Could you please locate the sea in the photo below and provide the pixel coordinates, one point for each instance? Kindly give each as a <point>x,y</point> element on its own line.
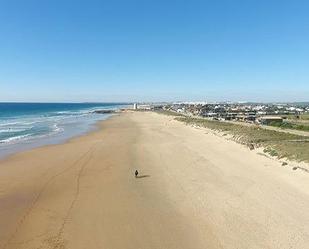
<point>25,126</point>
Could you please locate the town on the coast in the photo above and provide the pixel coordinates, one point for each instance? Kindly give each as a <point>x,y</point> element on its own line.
<point>277,114</point>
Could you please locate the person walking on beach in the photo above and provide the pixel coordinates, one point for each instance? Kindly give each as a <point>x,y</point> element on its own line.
<point>136,173</point>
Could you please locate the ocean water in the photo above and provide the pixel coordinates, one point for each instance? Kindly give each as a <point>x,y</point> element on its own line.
<point>29,125</point>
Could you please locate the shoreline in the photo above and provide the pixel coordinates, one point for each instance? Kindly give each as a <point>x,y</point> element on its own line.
<point>195,189</point>
<point>97,125</point>
<point>55,139</point>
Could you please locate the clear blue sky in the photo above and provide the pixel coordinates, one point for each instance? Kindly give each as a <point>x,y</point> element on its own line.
<point>58,50</point>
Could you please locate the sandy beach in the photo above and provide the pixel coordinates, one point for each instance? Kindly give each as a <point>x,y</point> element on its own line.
<point>196,190</point>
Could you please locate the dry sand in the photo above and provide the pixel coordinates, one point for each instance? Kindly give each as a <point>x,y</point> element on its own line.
<point>196,190</point>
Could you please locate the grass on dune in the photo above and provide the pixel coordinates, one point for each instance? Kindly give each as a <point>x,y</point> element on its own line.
<point>293,147</point>
<point>169,113</point>
<point>302,117</point>
<point>291,125</point>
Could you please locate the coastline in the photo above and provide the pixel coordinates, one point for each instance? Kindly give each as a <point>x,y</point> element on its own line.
<point>196,188</point>
<point>12,149</point>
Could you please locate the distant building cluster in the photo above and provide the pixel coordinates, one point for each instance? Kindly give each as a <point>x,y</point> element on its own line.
<point>243,112</point>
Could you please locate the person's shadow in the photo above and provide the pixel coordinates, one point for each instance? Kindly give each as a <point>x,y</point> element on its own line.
<point>142,176</point>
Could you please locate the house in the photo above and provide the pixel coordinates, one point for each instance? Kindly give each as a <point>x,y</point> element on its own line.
<point>210,114</point>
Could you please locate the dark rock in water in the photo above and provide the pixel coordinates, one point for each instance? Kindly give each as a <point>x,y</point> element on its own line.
<point>103,111</point>
<point>295,168</point>
<point>284,164</point>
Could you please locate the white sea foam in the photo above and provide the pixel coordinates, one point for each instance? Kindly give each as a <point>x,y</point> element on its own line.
<point>57,129</point>
<point>14,139</point>
<point>32,129</point>
<point>12,130</point>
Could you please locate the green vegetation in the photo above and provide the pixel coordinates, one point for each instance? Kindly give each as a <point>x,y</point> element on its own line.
<point>290,125</point>
<point>280,144</point>
<point>169,113</point>
<point>297,117</point>
<point>270,151</point>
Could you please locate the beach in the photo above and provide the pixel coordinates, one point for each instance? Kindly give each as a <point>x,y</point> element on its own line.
<point>25,126</point>
<point>195,190</point>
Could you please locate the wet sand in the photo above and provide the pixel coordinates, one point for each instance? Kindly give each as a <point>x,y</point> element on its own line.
<point>195,190</point>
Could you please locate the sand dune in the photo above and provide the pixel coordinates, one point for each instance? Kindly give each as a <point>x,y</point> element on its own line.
<point>196,190</point>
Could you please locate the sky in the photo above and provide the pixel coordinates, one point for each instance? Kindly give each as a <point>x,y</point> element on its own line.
<point>160,50</point>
